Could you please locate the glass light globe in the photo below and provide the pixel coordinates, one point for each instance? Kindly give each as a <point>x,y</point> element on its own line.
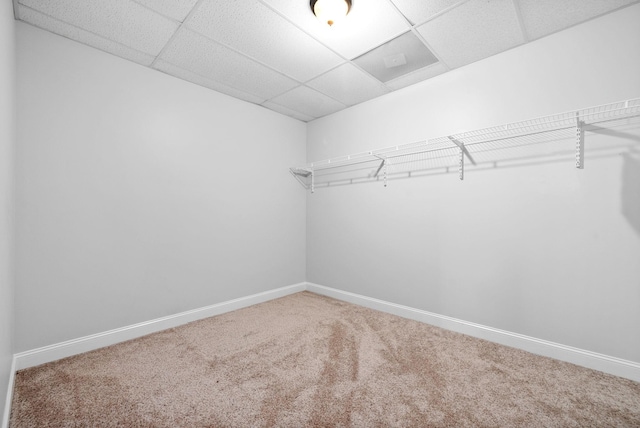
<point>330,11</point>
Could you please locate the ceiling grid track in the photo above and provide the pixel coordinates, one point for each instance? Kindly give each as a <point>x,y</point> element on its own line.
<point>523,28</point>
<point>175,33</point>
<point>277,54</point>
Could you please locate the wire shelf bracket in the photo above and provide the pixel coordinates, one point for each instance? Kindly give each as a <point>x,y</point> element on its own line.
<point>463,152</point>
<point>383,167</point>
<point>579,143</point>
<point>445,153</point>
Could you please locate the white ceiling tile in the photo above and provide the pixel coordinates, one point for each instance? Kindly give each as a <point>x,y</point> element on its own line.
<point>175,9</point>
<point>53,25</point>
<point>417,76</point>
<point>122,21</point>
<point>348,85</point>
<point>261,50</point>
<point>192,77</point>
<point>308,102</point>
<point>196,53</point>
<point>542,17</point>
<point>264,36</point>
<point>473,31</point>
<point>288,112</point>
<point>419,11</point>
<point>369,24</point>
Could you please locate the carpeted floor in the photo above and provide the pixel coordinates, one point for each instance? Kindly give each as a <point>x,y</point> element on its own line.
<point>307,360</point>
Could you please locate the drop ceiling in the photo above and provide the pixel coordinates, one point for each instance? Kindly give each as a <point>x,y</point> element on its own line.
<point>276,54</point>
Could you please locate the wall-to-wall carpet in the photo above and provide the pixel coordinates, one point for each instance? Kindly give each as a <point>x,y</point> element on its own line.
<point>309,360</point>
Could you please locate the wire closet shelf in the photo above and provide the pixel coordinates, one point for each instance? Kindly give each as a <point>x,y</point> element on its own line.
<point>450,151</point>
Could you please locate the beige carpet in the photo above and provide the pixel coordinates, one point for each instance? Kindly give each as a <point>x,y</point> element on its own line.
<point>307,360</point>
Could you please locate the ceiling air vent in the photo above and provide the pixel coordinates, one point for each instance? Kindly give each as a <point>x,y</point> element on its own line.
<point>397,57</point>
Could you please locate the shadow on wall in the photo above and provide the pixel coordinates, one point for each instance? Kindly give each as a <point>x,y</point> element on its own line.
<point>631,189</point>
<point>630,175</point>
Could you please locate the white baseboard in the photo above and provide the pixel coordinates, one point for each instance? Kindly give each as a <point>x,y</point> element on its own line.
<point>592,360</point>
<point>7,405</point>
<point>69,348</point>
<point>581,357</point>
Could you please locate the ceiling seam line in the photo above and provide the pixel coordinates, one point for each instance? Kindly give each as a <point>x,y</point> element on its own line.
<point>416,33</point>
<point>380,82</point>
<point>442,12</point>
<point>325,72</point>
<point>376,81</point>
<point>299,82</point>
<point>86,31</point>
<point>587,20</point>
<point>243,54</point>
<point>431,49</point>
<point>156,12</point>
<point>523,29</point>
<point>16,3</point>
<point>290,110</point>
<point>277,12</point>
<point>151,65</point>
<point>173,36</point>
<point>209,79</point>
<point>313,89</point>
<point>416,72</point>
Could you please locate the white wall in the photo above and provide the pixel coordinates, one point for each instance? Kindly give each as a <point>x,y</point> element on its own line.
<point>7,137</point>
<point>544,249</point>
<point>141,196</point>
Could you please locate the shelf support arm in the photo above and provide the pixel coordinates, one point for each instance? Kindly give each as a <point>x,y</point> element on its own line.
<point>463,148</point>
<point>380,167</point>
<point>299,172</point>
<point>383,167</point>
<point>463,152</point>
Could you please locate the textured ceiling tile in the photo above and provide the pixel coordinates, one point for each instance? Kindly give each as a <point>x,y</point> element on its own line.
<point>279,35</point>
<point>196,53</point>
<point>287,112</point>
<point>348,85</point>
<point>472,31</point>
<point>417,76</point>
<point>260,33</point>
<point>308,102</point>
<point>542,17</point>
<point>419,11</point>
<point>369,24</point>
<point>175,9</point>
<point>189,76</point>
<point>122,21</point>
<point>53,25</point>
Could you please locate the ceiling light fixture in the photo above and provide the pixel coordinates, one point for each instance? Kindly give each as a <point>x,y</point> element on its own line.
<point>330,11</point>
